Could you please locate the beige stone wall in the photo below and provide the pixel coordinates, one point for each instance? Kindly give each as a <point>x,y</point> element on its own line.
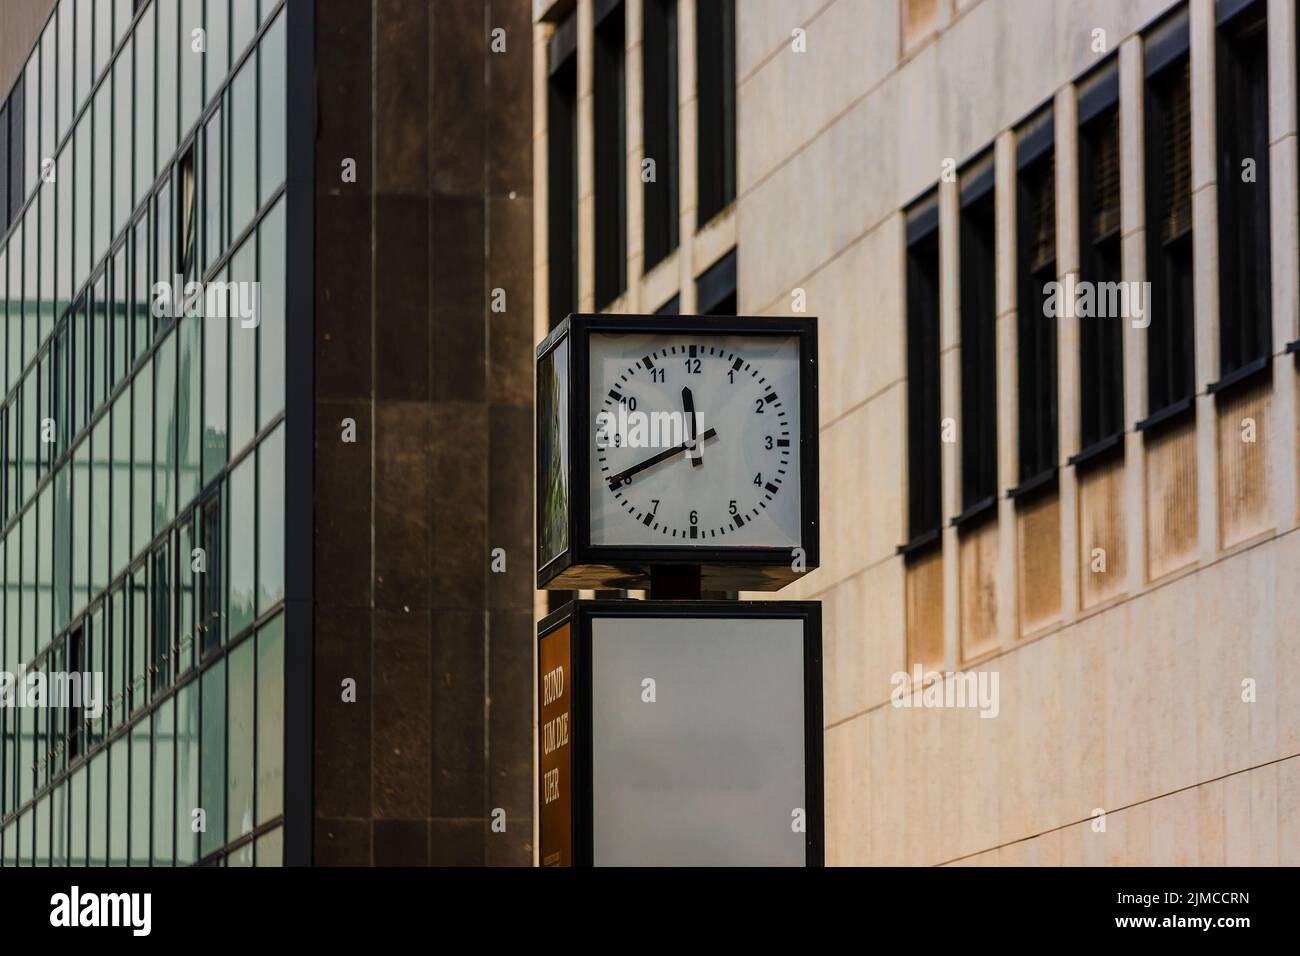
<point>1122,695</point>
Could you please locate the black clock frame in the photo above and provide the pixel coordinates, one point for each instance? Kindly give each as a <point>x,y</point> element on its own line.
<point>736,568</point>
<point>579,615</point>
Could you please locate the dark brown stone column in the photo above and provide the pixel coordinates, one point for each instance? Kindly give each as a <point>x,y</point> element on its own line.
<point>440,388</point>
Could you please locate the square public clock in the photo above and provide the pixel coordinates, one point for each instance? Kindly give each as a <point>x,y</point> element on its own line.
<point>668,442</point>
<point>680,734</point>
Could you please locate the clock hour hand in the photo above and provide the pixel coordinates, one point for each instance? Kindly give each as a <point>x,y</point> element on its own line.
<point>625,476</point>
<point>694,449</point>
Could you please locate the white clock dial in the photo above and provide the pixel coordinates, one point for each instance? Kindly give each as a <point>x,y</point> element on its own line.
<point>694,440</point>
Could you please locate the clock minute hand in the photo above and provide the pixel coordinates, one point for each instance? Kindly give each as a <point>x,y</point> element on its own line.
<point>694,449</point>
<point>625,476</point>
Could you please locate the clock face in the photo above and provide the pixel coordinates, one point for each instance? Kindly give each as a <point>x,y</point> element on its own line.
<point>694,440</point>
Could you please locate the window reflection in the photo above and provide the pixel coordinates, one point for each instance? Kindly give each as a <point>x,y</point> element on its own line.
<point>273,124</point>
<point>97,792</point>
<point>239,772</point>
<point>270,520</point>
<point>123,101</point>
<point>162,264</point>
<point>140,791</point>
<point>164,445</point>
<point>242,101</point>
<point>187,773</point>
<point>144,87</point>
<point>168,53</point>
<point>214,227</point>
<point>164,742</point>
<point>119,802</point>
<point>213,757</point>
<point>270,721</point>
<point>240,566</point>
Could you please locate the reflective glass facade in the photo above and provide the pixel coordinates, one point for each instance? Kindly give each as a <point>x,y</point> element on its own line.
<point>142,456</point>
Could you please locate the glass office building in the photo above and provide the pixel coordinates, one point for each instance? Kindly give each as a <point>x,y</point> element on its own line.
<point>251,526</point>
<point>142,456</point>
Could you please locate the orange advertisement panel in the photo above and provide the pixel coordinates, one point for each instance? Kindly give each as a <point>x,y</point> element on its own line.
<point>554,741</point>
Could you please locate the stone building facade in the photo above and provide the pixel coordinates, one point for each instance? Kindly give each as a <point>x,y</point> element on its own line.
<point>1128,570</point>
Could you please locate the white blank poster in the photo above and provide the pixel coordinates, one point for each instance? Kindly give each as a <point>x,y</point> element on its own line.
<point>711,773</point>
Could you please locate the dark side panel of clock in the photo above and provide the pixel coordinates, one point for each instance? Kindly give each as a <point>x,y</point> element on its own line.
<point>683,441</point>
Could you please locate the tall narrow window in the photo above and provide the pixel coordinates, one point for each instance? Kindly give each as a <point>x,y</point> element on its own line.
<point>1245,334</point>
<point>142,283</point>
<point>138,688</point>
<point>186,594</point>
<point>1102,315</point>
<point>1170,337</point>
<point>214,220</point>
<point>715,78</point>
<point>164,246</point>
<point>979,346</point>
<point>609,109</point>
<point>122,157</point>
<point>76,664</point>
<point>562,170</point>
<point>102,164</point>
<point>144,102</point>
<point>715,289</point>
<point>31,88</point>
<point>213,585</point>
<point>1036,330</point>
<point>923,467</point>
<point>659,116</point>
<point>4,170</point>
<point>15,183</point>
<point>60,59</point>
<point>187,217</point>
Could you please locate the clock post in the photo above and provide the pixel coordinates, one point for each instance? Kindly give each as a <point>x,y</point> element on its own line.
<point>670,583</point>
<point>678,455</point>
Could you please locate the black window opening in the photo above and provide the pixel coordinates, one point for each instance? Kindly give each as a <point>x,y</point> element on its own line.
<point>924,511</point>
<point>715,78</point>
<point>609,113</point>
<point>1101,326</point>
<point>160,657</point>
<point>672,307</point>
<point>187,245</point>
<point>1036,331</point>
<point>1245,314</point>
<point>212,587</point>
<point>715,289</point>
<point>1170,337</point>
<point>659,116</point>
<point>979,356</point>
<point>562,171</point>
